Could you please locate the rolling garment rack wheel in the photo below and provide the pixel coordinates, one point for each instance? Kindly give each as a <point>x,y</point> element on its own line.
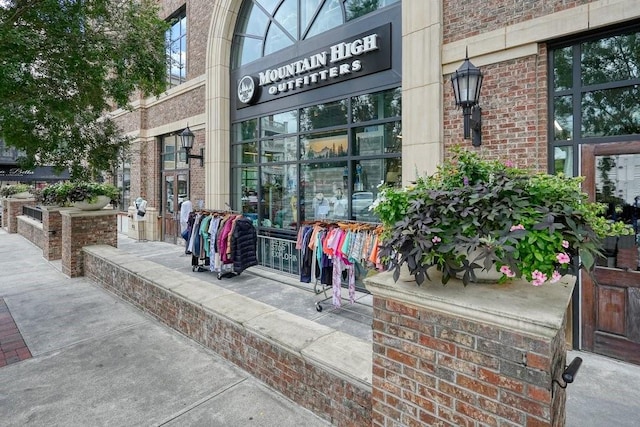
<point>318,307</point>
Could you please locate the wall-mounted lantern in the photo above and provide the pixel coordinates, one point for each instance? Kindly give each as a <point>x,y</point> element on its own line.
<point>187,138</point>
<point>467,81</point>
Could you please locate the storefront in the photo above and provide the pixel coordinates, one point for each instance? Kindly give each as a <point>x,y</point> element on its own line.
<point>316,126</point>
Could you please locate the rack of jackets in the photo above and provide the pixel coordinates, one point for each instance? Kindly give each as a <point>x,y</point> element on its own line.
<point>223,242</point>
<point>333,253</point>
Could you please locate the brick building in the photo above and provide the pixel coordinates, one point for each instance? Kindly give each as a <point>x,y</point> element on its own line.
<point>302,107</point>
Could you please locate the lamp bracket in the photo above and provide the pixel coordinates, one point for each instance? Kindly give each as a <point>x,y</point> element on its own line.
<point>193,156</point>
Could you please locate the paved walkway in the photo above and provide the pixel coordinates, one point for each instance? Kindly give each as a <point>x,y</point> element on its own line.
<point>98,361</point>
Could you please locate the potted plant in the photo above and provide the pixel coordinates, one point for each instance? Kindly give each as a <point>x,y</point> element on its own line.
<point>16,190</point>
<point>74,192</point>
<point>476,215</point>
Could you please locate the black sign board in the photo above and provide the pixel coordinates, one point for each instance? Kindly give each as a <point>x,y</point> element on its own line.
<point>366,53</point>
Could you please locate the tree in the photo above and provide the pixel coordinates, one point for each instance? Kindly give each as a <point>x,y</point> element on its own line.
<point>65,64</point>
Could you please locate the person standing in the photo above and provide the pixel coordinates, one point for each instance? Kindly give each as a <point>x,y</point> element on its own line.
<point>141,211</point>
<point>185,210</point>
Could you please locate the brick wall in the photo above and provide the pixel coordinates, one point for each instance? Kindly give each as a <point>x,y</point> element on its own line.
<point>84,228</point>
<point>514,111</point>
<point>329,394</point>
<point>11,209</point>
<point>31,230</point>
<point>452,356</point>
<point>468,18</point>
<point>52,233</point>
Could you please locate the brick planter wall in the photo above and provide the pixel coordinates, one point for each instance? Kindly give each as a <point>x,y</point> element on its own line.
<point>481,355</point>
<point>52,232</point>
<point>31,229</point>
<point>84,228</point>
<point>324,370</point>
<point>11,209</point>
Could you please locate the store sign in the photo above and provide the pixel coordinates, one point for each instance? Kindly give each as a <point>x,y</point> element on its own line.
<point>40,173</point>
<point>363,54</point>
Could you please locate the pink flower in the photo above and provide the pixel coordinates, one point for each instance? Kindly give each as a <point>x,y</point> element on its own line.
<point>565,244</point>
<point>555,277</point>
<point>507,271</point>
<point>563,258</point>
<point>538,278</point>
<point>508,164</point>
<point>517,227</point>
<point>436,239</point>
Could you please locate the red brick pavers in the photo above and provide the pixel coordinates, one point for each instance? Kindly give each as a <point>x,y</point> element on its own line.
<point>12,346</point>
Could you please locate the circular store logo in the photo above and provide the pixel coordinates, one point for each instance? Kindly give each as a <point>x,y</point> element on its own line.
<point>247,89</point>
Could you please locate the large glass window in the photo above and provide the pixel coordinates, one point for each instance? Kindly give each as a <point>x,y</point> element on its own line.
<point>324,161</point>
<point>267,26</point>
<point>176,42</point>
<point>594,90</point>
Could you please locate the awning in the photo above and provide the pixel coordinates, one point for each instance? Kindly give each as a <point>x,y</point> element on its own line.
<point>40,173</point>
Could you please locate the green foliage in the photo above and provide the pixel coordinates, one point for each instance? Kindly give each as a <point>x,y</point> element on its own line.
<point>65,193</point>
<point>10,190</point>
<point>73,62</point>
<point>525,225</point>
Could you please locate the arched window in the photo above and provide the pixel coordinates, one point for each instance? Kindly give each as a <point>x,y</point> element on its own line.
<point>267,26</point>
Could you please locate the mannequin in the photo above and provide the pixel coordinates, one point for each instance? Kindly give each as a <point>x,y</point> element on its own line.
<point>185,210</point>
<point>320,206</point>
<point>141,211</point>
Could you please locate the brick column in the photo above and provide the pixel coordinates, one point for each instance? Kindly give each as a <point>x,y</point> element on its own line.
<point>83,228</point>
<point>52,230</point>
<point>11,209</point>
<point>450,355</point>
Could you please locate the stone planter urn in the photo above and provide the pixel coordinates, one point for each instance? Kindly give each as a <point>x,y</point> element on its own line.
<point>99,203</point>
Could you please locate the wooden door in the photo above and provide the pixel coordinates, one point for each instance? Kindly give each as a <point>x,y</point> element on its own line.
<point>611,302</point>
<point>174,192</point>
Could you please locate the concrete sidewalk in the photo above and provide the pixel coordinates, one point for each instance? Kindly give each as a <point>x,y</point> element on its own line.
<point>98,361</point>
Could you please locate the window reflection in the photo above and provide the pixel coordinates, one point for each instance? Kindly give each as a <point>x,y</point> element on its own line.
<point>279,149</point>
<point>329,17</point>
<point>563,68</point>
<point>322,191</point>
<point>563,118</point>
<point>280,123</point>
<point>377,105</point>
<point>563,160</point>
<point>245,153</point>
<point>323,115</point>
<point>276,39</point>
<point>245,130</point>
<point>611,112</point>
<point>247,197</point>
<point>176,51</point>
<point>610,59</point>
<point>279,196</point>
<point>313,17</point>
<point>618,187</point>
<point>379,139</point>
<point>324,145</point>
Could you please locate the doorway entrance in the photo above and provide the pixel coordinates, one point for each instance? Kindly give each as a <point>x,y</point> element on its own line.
<point>611,302</point>
<point>175,189</point>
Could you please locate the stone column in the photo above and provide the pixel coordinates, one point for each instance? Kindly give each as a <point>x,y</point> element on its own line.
<point>52,230</point>
<point>452,355</point>
<point>11,209</point>
<point>83,228</point>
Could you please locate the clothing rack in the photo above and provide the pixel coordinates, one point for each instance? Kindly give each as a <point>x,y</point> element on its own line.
<point>218,233</point>
<point>340,262</point>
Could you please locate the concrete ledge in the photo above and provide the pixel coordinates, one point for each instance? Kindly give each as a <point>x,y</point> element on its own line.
<point>324,370</point>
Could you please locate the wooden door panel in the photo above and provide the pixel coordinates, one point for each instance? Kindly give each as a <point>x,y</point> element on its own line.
<point>611,302</point>
<point>611,310</point>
